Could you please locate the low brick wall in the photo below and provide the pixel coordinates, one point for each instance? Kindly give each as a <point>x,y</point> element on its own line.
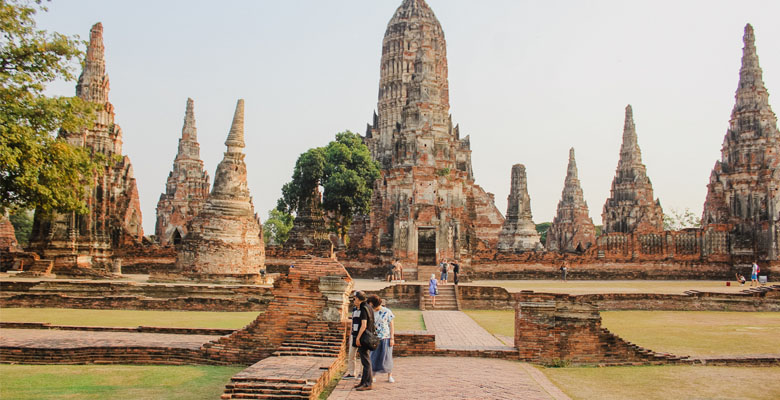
<point>590,270</point>
<point>134,296</point>
<point>404,295</point>
<point>139,329</point>
<point>694,301</point>
<point>105,355</point>
<point>485,298</point>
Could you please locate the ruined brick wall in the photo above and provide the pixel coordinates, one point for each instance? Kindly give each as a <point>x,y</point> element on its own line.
<point>133,296</point>
<point>299,297</point>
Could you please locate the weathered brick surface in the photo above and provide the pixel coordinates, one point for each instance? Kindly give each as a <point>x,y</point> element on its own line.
<point>572,229</point>
<point>630,206</point>
<point>518,233</point>
<point>7,235</point>
<point>133,296</point>
<point>744,187</point>
<point>186,188</point>
<point>426,195</point>
<point>114,216</point>
<point>225,239</point>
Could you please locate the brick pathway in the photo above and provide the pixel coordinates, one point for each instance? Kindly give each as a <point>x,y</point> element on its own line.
<point>454,378</point>
<point>456,330</point>
<point>56,339</point>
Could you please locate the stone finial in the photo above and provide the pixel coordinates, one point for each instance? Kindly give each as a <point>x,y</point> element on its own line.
<point>571,169</point>
<point>750,74</point>
<point>236,136</point>
<point>629,149</point>
<point>93,81</point>
<point>189,131</point>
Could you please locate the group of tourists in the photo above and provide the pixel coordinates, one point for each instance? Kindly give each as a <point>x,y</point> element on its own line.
<point>372,338</point>
<point>444,270</point>
<point>395,271</point>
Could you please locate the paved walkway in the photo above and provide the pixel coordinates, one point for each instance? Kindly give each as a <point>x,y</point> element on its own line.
<point>455,378</point>
<point>457,331</point>
<point>56,339</point>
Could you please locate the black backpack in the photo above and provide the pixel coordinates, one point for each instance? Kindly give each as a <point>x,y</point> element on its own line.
<point>369,338</point>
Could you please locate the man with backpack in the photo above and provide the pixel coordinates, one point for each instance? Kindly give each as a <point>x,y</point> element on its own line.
<point>362,323</point>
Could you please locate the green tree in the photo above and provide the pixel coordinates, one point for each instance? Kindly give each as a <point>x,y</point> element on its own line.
<point>276,229</point>
<point>676,220</point>
<point>346,172</point>
<point>22,221</point>
<point>542,229</point>
<point>38,170</point>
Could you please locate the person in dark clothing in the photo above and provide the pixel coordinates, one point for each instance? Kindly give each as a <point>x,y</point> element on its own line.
<point>455,271</point>
<point>362,322</point>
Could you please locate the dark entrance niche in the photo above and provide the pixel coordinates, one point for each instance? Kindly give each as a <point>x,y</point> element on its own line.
<point>176,237</point>
<point>426,246</point>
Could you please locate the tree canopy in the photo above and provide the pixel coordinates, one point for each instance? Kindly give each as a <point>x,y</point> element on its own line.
<point>38,170</point>
<point>345,171</point>
<point>276,229</point>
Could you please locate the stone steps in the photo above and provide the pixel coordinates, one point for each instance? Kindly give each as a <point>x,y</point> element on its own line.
<point>445,300</point>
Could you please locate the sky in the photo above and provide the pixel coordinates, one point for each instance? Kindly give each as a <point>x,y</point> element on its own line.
<point>528,80</point>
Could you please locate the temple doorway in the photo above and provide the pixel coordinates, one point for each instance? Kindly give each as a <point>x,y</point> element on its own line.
<point>426,246</point>
<point>176,239</point>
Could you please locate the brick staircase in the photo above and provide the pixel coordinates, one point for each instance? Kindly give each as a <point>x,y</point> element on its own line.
<point>39,268</point>
<point>313,339</point>
<point>298,369</point>
<point>267,388</point>
<point>446,300</point>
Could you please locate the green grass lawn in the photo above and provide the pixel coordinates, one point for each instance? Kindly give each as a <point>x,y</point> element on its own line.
<point>130,318</point>
<point>698,333</point>
<point>407,319</point>
<point>497,322</point>
<point>113,382</point>
<point>634,286</point>
<point>667,382</point>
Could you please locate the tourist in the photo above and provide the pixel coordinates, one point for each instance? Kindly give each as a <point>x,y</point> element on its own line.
<point>352,355</point>
<point>382,357</point>
<point>433,289</point>
<point>455,271</point>
<point>741,279</point>
<point>399,269</point>
<point>444,268</point>
<point>391,272</point>
<point>564,271</point>
<point>754,273</point>
<point>360,324</point>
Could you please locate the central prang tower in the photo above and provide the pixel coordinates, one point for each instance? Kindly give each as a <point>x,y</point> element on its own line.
<point>426,205</point>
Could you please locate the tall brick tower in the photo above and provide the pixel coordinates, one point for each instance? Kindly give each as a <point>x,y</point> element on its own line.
<point>572,228</point>
<point>426,205</point>
<point>630,206</point>
<point>187,186</point>
<point>114,216</point>
<point>744,184</point>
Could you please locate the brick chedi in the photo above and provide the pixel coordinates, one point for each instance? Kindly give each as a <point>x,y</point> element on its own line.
<point>113,219</point>
<point>7,235</point>
<point>572,228</point>
<point>744,185</point>
<point>187,186</point>
<point>519,231</point>
<point>630,206</point>
<point>426,204</point>
<point>224,240</point>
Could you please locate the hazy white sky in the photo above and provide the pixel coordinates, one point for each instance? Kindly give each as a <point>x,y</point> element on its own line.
<point>528,80</point>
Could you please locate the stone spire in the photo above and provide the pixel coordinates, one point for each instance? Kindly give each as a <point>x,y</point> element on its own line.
<point>744,187</point>
<point>187,186</point>
<point>630,206</point>
<point>114,217</point>
<point>93,82</point>
<point>225,239</point>
<point>426,206</point>
<point>519,231</point>
<point>572,228</point>
<point>235,139</point>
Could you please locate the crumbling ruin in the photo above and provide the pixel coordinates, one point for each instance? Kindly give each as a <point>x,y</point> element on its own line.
<point>572,228</point>
<point>113,219</point>
<point>187,186</point>
<point>519,230</point>
<point>224,241</point>
<point>743,188</point>
<point>426,205</point>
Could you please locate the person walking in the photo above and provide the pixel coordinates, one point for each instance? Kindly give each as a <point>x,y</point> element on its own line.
<point>564,270</point>
<point>754,273</point>
<point>360,324</point>
<point>455,271</point>
<point>352,354</point>
<point>433,289</point>
<point>382,357</point>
